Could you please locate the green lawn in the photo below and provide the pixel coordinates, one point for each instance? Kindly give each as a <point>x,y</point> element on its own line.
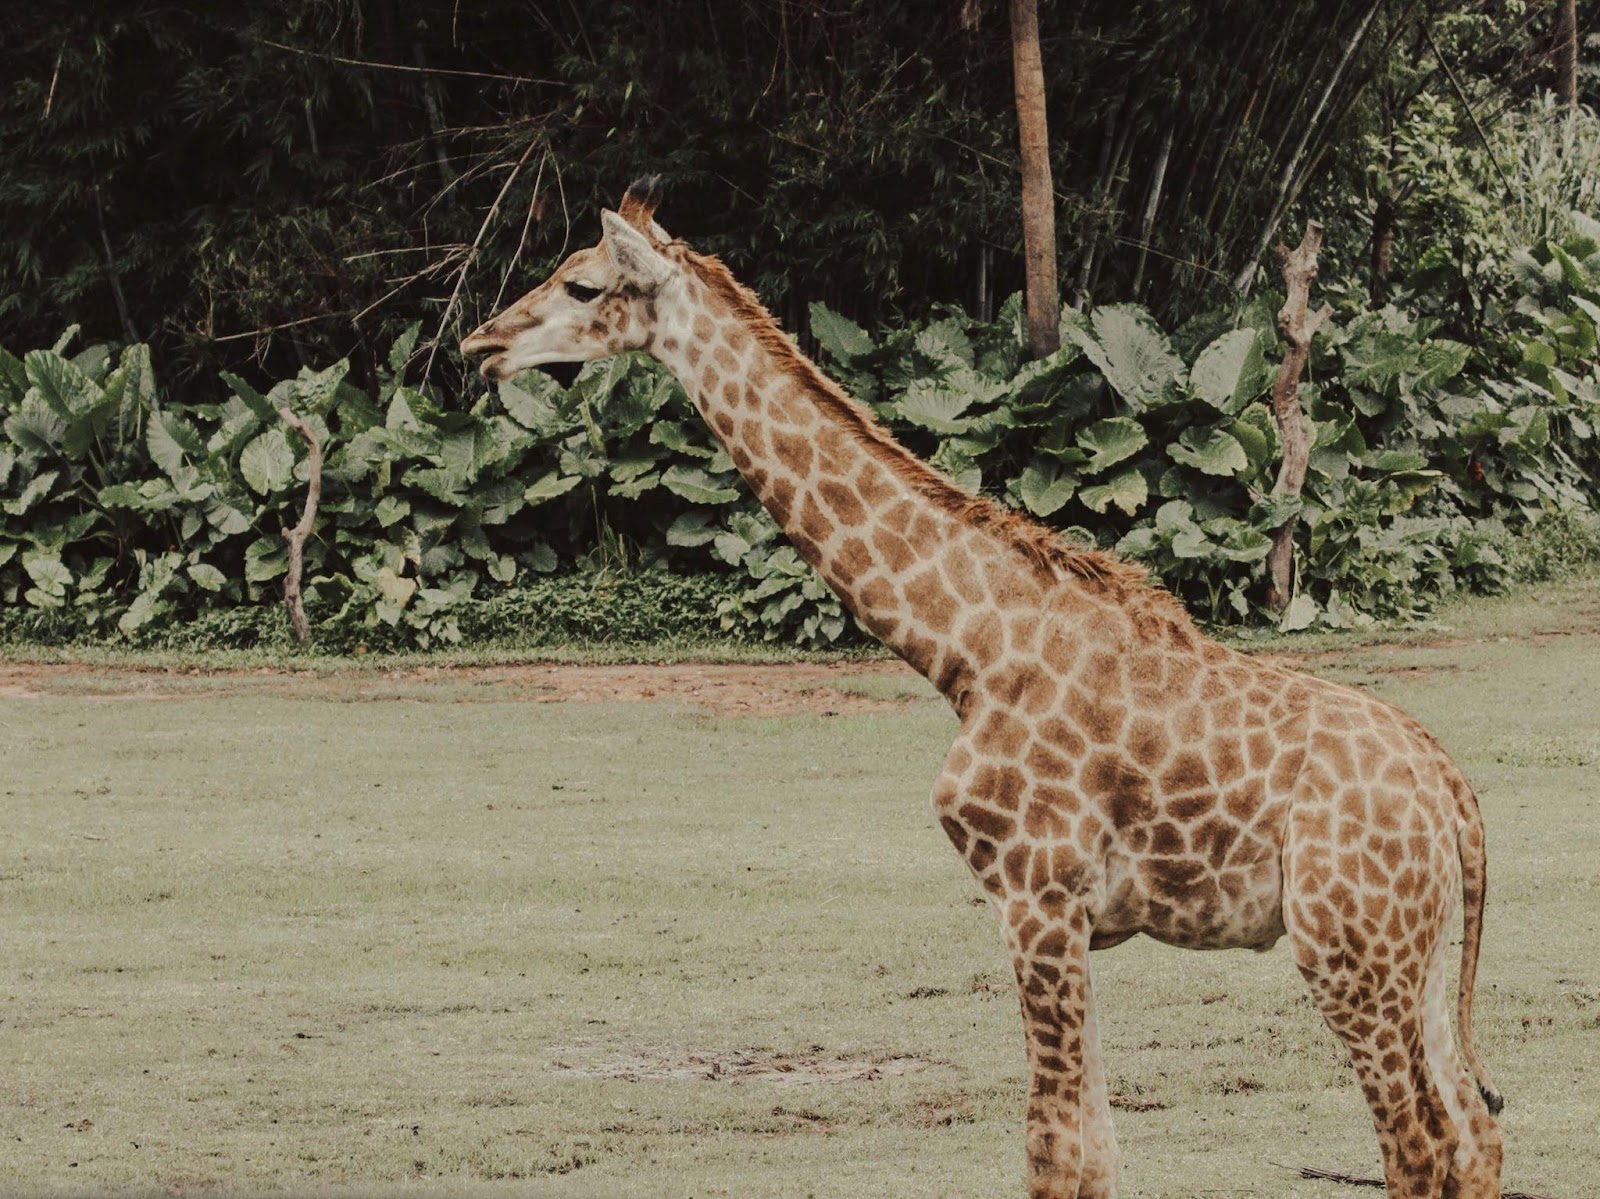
<point>434,938</point>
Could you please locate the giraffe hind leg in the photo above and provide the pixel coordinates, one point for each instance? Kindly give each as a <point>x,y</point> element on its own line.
<point>1475,1167</point>
<point>1370,991</point>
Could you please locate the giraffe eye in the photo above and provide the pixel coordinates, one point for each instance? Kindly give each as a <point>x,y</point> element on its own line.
<point>581,293</point>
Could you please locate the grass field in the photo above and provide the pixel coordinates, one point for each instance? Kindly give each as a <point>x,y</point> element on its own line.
<point>347,930</point>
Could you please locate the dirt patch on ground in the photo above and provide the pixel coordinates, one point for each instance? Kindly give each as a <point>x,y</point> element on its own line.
<point>734,1065</point>
<point>821,689</point>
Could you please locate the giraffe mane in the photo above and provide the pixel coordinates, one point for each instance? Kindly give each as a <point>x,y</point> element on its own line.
<point>1040,546</point>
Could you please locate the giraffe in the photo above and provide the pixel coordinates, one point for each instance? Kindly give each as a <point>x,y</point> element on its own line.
<point>1114,771</point>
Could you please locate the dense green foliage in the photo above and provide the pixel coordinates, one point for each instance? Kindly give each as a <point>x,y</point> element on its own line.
<point>1431,459</point>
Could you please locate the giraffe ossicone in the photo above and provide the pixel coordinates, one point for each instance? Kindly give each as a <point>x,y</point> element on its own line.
<point>1115,772</point>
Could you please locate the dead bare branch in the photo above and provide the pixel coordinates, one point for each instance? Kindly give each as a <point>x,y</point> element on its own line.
<point>1364,1180</point>
<point>1294,428</point>
<point>296,537</point>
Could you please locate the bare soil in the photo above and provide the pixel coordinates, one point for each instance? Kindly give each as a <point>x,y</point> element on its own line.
<point>750,690</point>
<point>752,1065</point>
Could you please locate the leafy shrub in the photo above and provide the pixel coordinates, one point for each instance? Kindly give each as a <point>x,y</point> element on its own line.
<point>1434,466</point>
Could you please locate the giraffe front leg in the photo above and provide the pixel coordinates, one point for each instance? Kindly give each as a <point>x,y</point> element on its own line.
<point>1064,1152</point>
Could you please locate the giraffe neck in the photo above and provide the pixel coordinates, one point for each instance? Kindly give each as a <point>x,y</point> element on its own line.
<point>895,540</point>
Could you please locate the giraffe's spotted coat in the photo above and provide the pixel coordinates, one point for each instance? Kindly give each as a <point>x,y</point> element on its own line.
<point>1115,773</point>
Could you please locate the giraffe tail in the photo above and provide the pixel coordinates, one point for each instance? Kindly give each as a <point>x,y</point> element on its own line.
<point>1474,887</point>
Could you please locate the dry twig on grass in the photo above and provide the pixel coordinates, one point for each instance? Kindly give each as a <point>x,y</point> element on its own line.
<point>296,537</point>
<point>1363,1180</point>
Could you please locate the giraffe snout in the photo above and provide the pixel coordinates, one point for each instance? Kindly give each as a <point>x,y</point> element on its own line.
<point>485,339</point>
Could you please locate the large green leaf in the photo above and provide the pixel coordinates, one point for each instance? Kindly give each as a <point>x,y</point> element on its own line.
<point>172,441</point>
<point>676,438</point>
<point>1127,490</point>
<point>1133,354</point>
<point>1215,452</point>
<point>550,486</point>
<point>697,526</point>
<point>267,462</point>
<point>1045,486</point>
<point>840,336</point>
<point>697,486</point>
<point>936,408</point>
<point>48,573</point>
<point>1231,371</point>
<point>34,428</point>
<point>265,558</point>
<point>13,379</point>
<point>38,487</point>
<point>1111,441</point>
<point>69,392</point>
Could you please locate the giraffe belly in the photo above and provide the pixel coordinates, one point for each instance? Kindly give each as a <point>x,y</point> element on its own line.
<point>1186,901</point>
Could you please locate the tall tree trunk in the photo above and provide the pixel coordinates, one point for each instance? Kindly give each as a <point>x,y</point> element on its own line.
<point>1567,53</point>
<point>1038,193</point>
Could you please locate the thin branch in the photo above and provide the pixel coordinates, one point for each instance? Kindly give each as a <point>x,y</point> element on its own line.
<point>522,241</point>
<point>395,66</point>
<point>1494,159</point>
<point>296,537</point>
<point>472,256</point>
<point>50,96</point>
<point>305,320</point>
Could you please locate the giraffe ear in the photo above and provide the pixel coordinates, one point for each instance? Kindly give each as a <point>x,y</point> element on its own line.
<point>632,254</point>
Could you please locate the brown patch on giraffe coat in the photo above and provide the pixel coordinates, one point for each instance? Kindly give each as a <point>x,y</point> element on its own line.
<point>963,575</point>
<point>1063,736</point>
<point>730,393</point>
<point>897,555</point>
<point>704,330</point>
<point>723,423</point>
<point>844,502</point>
<point>780,500</point>
<point>878,594</point>
<point>874,485</point>
<point>954,830</point>
<point>1227,762</point>
<point>1044,762</point>
<point>1001,735</point>
<point>813,522</point>
<point>989,823</point>
<point>1188,772</point>
<point>1167,839</point>
<point>1119,789</point>
<point>1048,815</point>
<point>793,451</point>
<point>853,559</point>
<point>1147,741</point>
<point>1187,807</point>
<point>1000,785</point>
<point>982,637</point>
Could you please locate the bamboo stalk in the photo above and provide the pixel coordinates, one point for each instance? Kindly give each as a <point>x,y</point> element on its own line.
<point>1247,273</point>
<point>1152,204</point>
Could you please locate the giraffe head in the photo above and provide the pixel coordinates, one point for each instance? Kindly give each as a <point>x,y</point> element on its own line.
<point>600,301</point>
